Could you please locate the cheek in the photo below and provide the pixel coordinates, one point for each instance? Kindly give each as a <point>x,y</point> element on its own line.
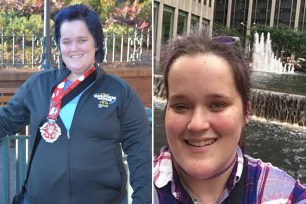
<point>175,125</point>
<point>230,125</point>
<point>89,47</point>
<point>64,50</point>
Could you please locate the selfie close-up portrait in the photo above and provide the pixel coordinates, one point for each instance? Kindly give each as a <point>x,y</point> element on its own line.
<point>229,103</point>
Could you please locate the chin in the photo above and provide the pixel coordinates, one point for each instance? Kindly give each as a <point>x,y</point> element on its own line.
<point>200,173</point>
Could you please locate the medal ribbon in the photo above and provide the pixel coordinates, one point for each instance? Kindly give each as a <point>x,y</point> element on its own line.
<point>58,94</point>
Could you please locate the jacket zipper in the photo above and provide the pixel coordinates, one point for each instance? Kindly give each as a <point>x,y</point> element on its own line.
<point>68,135</point>
<point>69,168</point>
<point>69,142</point>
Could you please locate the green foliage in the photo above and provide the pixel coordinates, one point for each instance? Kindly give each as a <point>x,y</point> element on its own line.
<point>29,7</point>
<point>26,17</point>
<point>283,39</point>
<point>12,22</point>
<point>221,30</point>
<point>132,15</point>
<point>106,8</point>
<point>146,11</point>
<point>118,30</point>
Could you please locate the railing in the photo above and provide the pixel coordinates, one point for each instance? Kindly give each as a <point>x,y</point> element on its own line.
<point>26,50</point>
<point>22,156</point>
<point>21,160</point>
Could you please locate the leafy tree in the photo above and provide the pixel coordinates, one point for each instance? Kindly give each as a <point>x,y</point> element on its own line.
<point>29,7</point>
<point>106,8</point>
<point>10,21</point>
<point>221,30</point>
<point>131,15</point>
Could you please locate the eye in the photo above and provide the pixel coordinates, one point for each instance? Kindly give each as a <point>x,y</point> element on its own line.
<point>180,107</point>
<point>66,42</point>
<point>217,106</point>
<point>82,41</point>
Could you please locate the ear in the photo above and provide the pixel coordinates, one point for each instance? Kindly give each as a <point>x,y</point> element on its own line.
<point>248,112</point>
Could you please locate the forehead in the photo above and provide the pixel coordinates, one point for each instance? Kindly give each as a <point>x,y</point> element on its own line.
<point>73,27</point>
<point>201,73</point>
<point>207,64</point>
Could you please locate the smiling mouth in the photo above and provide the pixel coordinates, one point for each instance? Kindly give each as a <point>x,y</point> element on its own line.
<point>75,56</point>
<point>201,143</point>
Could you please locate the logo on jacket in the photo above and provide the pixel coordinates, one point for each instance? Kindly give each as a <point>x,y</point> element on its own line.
<point>104,99</point>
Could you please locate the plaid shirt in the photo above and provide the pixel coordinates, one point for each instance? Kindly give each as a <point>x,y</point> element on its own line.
<point>264,183</point>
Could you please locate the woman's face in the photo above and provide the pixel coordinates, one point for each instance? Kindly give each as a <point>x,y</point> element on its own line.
<point>204,114</point>
<point>77,46</point>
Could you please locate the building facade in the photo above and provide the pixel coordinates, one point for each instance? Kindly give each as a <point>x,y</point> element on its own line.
<point>175,17</point>
<point>243,14</point>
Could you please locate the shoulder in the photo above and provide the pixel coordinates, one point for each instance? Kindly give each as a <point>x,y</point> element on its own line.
<point>272,183</point>
<point>36,80</point>
<point>44,74</point>
<point>162,170</point>
<point>116,80</point>
<point>268,174</point>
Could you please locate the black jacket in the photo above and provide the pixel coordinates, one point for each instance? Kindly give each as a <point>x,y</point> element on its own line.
<point>88,167</point>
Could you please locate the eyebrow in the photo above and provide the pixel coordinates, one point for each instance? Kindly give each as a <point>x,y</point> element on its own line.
<point>212,95</point>
<point>177,96</point>
<point>219,96</point>
<point>80,37</point>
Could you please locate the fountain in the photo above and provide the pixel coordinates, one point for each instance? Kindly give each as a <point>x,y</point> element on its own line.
<point>264,58</point>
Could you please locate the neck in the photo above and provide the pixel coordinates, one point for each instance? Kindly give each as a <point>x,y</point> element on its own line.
<point>73,77</point>
<point>206,190</point>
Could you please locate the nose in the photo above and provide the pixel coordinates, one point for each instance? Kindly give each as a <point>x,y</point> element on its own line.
<point>74,46</point>
<point>199,120</point>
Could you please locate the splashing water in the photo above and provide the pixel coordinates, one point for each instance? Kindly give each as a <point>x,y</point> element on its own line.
<point>264,58</point>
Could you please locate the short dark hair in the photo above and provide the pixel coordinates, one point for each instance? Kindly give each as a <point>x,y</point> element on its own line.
<point>92,21</point>
<point>199,42</point>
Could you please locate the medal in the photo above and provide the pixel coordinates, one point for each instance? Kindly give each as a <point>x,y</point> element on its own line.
<point>50,131</point>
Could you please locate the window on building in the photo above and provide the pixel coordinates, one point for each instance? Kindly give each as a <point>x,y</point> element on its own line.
<point>209,3</point>
<point>194,21</point>
<point>205,22</point>
<point>181,22</point>
<point>167,25</point>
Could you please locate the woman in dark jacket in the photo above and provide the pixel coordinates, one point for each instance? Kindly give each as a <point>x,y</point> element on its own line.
<point>85,118</point>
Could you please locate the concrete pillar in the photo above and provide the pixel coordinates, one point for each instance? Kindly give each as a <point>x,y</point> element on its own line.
<point>175,19</point>
<point>189,16</point>
<point>248,32</point>
<point>249,20</point>
<point>297,14</point>
<point>159,31</point>
<point>211,17</point>
<point>201,15</point>
<point>229,14</point>
<point>272,13</point>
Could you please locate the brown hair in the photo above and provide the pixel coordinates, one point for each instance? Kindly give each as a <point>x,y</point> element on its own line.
<point>228,48</point>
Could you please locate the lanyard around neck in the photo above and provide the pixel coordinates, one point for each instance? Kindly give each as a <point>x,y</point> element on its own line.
<point>59,93</point>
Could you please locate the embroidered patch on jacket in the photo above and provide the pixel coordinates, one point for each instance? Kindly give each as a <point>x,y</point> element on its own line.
<point>104,99</point>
